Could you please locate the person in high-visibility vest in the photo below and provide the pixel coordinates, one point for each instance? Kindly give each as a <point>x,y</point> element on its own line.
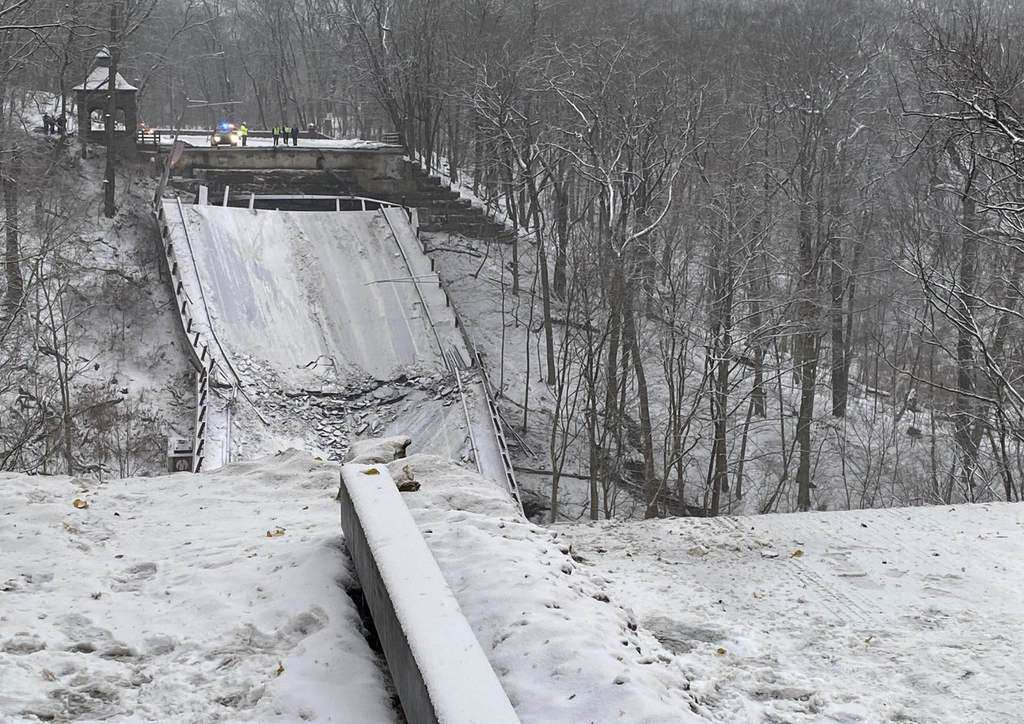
<point>276,133</point>
<point>287,132</point>
<point>243,131</point>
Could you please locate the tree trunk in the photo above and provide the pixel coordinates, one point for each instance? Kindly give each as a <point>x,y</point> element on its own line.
<point>805,345</point>
<point>561,201</point>
<point>840,344</point>
<point>966,306</point>
<point>12,251</point>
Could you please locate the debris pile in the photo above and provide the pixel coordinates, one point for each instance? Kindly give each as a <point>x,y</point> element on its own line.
<point>339,413</point>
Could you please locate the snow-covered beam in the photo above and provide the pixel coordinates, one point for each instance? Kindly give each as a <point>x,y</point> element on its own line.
<point>440,671</point>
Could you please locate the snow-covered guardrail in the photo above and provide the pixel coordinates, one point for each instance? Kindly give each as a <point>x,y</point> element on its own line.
<point>198,350</point>
<point>396,222</point>
<point>440,670</point>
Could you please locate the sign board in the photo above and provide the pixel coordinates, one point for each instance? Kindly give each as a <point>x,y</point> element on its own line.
<point>179,455</point>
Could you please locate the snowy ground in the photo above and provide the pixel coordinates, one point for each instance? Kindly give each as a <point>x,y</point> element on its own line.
<point>182,599</point>
<point>908,615</point>
<point>220,597</point>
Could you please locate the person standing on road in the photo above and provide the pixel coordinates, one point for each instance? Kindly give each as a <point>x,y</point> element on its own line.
<point>285,133</point>
<point>276,133</point>
<point>295,136</point>
<point>243,131</point>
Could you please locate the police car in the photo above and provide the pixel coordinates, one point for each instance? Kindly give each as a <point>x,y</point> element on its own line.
<point>225,135</point>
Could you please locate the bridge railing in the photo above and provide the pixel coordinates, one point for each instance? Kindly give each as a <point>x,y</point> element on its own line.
<point>494,416</point>
<point>439,668</point>
<point>146,138</point>
<point>198,350</point>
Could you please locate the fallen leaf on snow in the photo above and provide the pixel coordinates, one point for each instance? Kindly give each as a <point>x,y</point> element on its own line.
<point>371,471</point>
<point>275,533</point>
<point>280,670</point>
<point>797,553</point>
<point>80,504</point>
<point>721,651</point>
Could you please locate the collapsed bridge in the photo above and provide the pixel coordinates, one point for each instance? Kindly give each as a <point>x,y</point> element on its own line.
<point>320,300</point>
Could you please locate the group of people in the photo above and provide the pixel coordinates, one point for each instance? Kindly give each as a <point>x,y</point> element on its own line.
<point>54,125</point>
<point>286,131</point>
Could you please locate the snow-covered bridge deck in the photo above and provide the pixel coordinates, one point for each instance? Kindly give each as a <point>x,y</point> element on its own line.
<point>305,291</point>
<point>316,298</point>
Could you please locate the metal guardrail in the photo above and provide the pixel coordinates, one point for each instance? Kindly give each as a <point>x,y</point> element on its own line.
<point>147,138</point>
<point>253,197</point>
<point>198,351</point>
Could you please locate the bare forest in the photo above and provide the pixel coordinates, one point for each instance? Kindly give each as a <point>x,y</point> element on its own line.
<point>774,249</point>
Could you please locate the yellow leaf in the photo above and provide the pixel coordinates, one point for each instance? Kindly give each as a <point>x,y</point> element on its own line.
<point>868,639</point>
<point>797,553</point>
<point>319,458</point>
<point>275,533</point>
<point>80,504</point>
<point>722,651</point>
<point>371,471</point>
<point>280,670</point>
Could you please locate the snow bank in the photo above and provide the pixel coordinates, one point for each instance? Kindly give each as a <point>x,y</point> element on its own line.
<point>865,616</point>
<point>182,598</point>
<point>378,450</point>
<point>565,650</point>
